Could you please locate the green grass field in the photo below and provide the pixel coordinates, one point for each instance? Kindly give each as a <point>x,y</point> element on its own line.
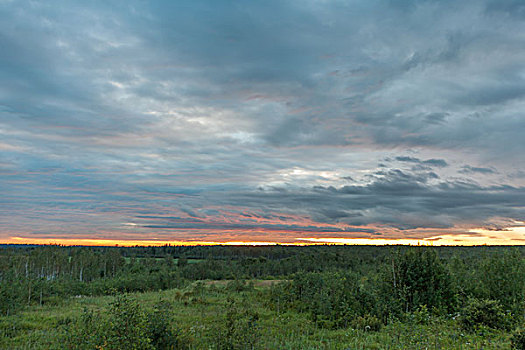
<point>200,311</point>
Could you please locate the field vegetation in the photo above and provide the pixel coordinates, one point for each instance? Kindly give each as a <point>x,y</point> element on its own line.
<point>277,297</point>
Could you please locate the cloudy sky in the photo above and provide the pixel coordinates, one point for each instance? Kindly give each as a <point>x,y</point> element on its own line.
<point>262,121</point>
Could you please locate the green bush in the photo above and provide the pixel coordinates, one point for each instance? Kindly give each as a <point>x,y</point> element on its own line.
<point>127,325</point>
<point>241,328</point>
<point>161,331</point>
<point>501,277</point>
<point>367,323</point>
<point>420,316</point>
<point>518,339</point>
<point>483,312</point>
<point>238,285</point>
<point>413,278</point>
<point>87,332</point>
<point>332,299</point>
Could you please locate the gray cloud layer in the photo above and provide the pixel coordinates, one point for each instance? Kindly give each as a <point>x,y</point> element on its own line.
<point>397,115</point>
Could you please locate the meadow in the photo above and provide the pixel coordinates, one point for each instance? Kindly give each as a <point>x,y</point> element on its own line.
<point>319,297</point>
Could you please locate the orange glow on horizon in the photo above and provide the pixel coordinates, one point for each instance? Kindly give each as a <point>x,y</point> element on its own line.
<point>511,236</point>
<point>130,243</point>
<point>474,237</point>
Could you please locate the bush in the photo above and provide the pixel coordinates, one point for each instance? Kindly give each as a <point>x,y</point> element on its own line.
<point>127,325</point>
<point>332,299</point>
<point>86,332</point>
<point>367,323</point>
<point>518,339</point>
<point>238,285</point>
<point>160,331</point>
<point>501,278</point>
<point>124,328</point>
<point>483,312</point>
<point>413,278</point>
<point>241,329</point>
<point>420,316</point>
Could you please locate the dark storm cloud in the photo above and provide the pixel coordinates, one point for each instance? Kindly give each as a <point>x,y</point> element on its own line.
<point>399,200</point>
<point>109,111</point>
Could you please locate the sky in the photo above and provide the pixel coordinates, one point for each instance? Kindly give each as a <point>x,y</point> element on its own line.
<point>312,121</point>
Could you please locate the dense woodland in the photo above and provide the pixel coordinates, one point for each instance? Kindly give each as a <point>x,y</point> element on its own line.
<point>381,290</point>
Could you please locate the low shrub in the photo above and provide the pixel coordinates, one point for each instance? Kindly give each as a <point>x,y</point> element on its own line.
<point>160,329</point>
<point>240,330</point>
<point>483,312</point>
<point>517,339</point>
<point>367,323</point>
<point>420,316</point>
<point>126,326</point>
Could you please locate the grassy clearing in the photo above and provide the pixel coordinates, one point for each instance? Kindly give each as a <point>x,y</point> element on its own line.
<point>199,311</point>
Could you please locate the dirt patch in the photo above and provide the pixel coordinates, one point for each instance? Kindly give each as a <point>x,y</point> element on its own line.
<point>267,283</point>
<point>256,283</point>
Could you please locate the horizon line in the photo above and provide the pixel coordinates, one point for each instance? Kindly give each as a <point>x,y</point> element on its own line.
<point>304,242</point>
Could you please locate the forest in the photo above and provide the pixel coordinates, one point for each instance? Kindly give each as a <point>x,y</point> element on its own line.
<point>262,297</point>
